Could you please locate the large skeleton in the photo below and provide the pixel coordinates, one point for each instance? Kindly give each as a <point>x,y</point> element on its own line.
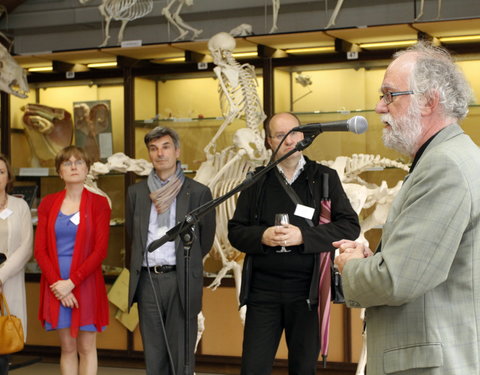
<point>224,170</point>
<point>177,21</point>
<point>121,10</point>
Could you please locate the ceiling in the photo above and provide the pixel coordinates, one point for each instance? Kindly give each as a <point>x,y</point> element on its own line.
<point>276,43</point>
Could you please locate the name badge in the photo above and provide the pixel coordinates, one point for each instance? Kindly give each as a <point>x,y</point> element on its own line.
<point>75,219</point>
<point>304,211</point>
<point>5,213</point>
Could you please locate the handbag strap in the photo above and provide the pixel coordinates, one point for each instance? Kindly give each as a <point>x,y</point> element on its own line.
<point>291,193</point>
<point>3,302</point>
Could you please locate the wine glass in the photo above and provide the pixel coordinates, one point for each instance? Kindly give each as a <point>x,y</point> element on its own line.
<point>282,220</point>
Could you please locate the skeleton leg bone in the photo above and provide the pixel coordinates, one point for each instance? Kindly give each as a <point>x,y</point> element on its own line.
<point>333,18</point>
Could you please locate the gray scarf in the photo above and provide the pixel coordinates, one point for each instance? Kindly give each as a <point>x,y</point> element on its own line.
<point>163,194</point>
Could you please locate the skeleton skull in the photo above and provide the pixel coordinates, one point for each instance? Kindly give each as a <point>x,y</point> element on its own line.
<point>219,44</point>
<point>13,78</point>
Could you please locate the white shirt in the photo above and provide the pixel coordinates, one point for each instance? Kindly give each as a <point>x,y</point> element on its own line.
<point>165,254</point>
<point>301,163</point>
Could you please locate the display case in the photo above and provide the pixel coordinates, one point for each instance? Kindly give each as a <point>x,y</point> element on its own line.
<point>188,101</point>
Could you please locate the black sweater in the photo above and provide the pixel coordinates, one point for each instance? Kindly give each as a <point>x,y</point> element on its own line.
<point>296,271</point>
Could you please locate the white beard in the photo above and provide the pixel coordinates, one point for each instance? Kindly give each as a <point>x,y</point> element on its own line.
<point>404,132</point>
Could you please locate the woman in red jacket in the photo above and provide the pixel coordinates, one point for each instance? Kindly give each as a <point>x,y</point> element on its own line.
<point>70,244</point>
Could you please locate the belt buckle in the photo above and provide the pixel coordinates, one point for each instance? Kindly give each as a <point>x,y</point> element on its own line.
<point>158,269</point>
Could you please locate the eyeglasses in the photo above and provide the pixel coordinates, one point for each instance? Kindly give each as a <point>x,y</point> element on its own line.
<point>77,163</point>
<point>280,136</point>
<point>388,96</point>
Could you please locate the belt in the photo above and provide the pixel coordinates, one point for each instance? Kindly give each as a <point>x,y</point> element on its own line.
<point>160,269</point>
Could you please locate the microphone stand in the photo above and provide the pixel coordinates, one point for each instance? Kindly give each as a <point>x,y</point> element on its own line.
<point>184,229</point>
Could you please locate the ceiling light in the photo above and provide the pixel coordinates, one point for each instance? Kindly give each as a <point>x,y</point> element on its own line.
<point>459,39</point>
<point>302,51</point>
<point>393,44</point>
<point>41,69</point>
<point>108,64</point>
<point>245,54</point>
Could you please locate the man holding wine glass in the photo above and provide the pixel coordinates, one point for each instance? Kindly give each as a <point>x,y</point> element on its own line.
<point>281,268</point>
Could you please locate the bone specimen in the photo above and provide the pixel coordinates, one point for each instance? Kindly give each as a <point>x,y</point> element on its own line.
<point>276,8</point>
<point>13,78</point>
<point>422,3</point>
<point>177,21</point>
<point>48,130</point>
<point>121,10</point>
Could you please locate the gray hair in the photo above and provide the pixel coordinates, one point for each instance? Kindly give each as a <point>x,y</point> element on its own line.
<point>159,132</point>
<point>435,71</point>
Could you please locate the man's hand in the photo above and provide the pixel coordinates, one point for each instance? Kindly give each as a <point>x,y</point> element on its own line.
<point>350,250</point>
<point>62,288</point>
<point>287,235</point>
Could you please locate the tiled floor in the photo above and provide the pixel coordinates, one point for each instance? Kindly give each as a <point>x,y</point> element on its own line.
<point>54,369</point>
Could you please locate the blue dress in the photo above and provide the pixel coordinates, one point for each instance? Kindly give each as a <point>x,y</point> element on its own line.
<point>66,233</point>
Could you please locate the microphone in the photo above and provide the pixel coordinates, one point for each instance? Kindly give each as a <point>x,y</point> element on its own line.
<point>356,124</point>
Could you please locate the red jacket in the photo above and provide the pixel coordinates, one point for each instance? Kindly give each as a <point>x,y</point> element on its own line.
<point>90,249</point>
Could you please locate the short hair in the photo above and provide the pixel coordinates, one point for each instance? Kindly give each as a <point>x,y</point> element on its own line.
<point>69,151</point>
<point>10,175</point>
<point>435,71</point>
<point>159,132</point>
<point>266,125</point>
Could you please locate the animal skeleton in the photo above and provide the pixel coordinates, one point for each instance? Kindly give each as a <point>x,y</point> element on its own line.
<point>339,4</point>
<point>276,8</point>
<point>177,21</point>
<point>334,15</point>
<point>121,10</point>
<point>422,3</point>
<point>13,78</point>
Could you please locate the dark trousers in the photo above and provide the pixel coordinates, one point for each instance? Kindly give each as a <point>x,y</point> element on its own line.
<point>156,357</point>
<point>268,314</point>
<point>4,360</point>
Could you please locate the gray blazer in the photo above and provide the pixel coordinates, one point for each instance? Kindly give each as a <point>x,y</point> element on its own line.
<point>191,195</point>
<point>422,291</point>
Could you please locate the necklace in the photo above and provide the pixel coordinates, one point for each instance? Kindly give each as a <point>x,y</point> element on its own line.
<point>4,203</point>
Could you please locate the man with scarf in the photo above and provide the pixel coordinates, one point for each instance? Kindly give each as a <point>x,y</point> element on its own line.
<point>157,278</point>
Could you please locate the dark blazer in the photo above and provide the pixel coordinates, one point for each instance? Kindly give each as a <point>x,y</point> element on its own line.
<point>192,195</point>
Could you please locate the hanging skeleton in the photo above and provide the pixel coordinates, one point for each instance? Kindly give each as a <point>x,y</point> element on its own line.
<point>224,170</point>
<point>177,21</point>
<point>121,10</point>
